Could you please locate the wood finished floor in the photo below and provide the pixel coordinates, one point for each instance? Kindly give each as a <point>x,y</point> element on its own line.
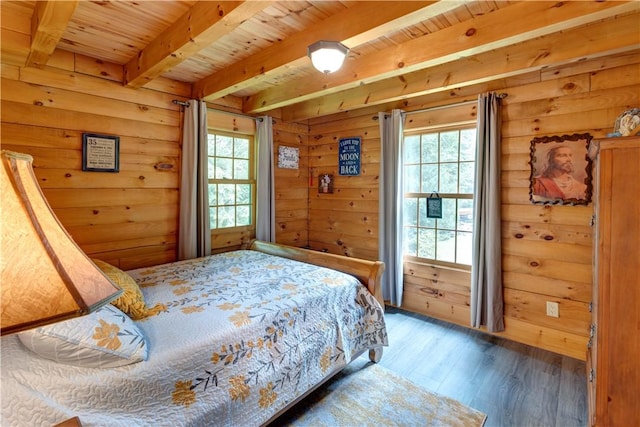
<point>514,384</point>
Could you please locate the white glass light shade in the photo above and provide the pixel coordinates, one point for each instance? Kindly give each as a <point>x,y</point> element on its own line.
<point>45,277</point>
<point>327,56</point>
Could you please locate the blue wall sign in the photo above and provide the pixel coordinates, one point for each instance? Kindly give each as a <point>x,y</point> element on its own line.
<point>349,150</point>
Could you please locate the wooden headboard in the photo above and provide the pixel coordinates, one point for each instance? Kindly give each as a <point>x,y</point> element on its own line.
<point>368,272</point>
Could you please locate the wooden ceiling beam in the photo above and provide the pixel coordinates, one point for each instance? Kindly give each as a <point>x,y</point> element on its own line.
<point>48,23</point>
<point>600,39</point>
<point>358,24</point>
<point>203,24</point>
<point>503,27</point>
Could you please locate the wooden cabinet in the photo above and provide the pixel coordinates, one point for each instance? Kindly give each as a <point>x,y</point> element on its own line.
<point>613,358</point>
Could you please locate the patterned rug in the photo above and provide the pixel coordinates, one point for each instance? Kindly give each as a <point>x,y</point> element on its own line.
<point>374,396</point>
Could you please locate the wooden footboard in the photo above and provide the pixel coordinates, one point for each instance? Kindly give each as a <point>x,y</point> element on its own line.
<point>368,272</point>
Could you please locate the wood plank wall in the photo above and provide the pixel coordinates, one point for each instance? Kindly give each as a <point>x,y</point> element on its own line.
<point>292,185</point>
<point>346,221</point>
<point>547,250</point>
<point>127,218</point>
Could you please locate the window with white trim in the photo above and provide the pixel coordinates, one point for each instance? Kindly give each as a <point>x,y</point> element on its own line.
<point>232,180</point>
<point>443,162</point>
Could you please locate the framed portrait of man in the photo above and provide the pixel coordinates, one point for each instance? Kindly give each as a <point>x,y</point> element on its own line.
<point>561,170</point>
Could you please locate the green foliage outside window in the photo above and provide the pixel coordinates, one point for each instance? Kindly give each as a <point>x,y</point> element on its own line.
<point>231,180</point>
<point>444,163</point>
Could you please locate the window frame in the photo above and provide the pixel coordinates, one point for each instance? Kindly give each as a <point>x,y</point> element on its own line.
<point>251,180</point>
<point>459,127</point>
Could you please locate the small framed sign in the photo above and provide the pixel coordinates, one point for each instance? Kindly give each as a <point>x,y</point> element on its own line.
<point>434,206</point>
<point>325,185</point>
<point>100,153</point>
<point>288,157</point>
<point>349,150</point>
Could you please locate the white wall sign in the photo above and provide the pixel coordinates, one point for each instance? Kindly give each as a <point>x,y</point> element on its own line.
<point>288,157</point>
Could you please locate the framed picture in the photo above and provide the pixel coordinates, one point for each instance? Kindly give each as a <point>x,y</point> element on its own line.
<point>288,157</point>
<point>561,170</point>
<point>325,183</point>
<point>100,153</point>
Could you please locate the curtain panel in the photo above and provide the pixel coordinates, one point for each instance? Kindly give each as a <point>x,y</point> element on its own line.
<point>391,202</point>
<point>266,193</point>
<point>194,233</point>
<point>487,305</point>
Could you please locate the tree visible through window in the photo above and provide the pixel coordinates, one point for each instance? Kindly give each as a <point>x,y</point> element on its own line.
<point>231,180</point>
<point>440,162</point>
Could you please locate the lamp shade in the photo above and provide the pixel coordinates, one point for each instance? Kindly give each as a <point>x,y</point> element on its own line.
<point>45,277</point>
<point>327,56</point>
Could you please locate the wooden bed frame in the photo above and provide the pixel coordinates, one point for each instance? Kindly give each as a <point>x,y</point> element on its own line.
<point>369,273</point>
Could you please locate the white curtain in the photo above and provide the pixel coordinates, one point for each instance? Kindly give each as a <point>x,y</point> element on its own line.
<point>391,202</point>
<point>266,195</point>
<point>194,234</point>
<point>487,305</point>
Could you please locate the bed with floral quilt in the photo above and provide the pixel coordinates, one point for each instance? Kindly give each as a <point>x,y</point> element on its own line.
<point>232,339</point>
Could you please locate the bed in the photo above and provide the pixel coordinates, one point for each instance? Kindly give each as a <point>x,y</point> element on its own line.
<point>234,339</point>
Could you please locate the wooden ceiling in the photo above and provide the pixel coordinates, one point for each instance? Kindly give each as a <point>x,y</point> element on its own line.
<point>256,50</point>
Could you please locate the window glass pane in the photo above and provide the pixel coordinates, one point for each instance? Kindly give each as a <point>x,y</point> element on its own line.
<point>446,165</point>
<point>411,149</point>
<point>430,148</point>
<point>224,168</point>
<point>410,241</point>
<point>430,178</point>
<point>224,146</point>
<point>227,216</point>
<point>465,214</point>
<point>243,194</point>
<point>241,169</point>
<point>449,217</point>
<point>464,245</point>
<point>211,172</point>
<point>243,215</point>
<point>211,145</point>
<point>467,172</point>
<point>213,194</point>
<point>446,246</point>
<point>412,179</point>
<point>410,210</point>
<point>422,215</point>
<point>468,145</point>
<point>241,148</point>
<point>213,217</point>
<point>426,243</point>
<point>448,177</point>
<point>230,161</point>
<point>449,146</point>
<point>226,194</point>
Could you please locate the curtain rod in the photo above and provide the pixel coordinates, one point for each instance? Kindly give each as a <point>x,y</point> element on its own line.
<point>180,103</point>
<point>440,107</point>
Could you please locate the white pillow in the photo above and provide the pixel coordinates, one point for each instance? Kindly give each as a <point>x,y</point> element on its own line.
<point>104,339</point>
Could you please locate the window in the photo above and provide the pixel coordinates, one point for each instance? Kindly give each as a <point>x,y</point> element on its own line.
<point>443,162</point>
<point>232,182</point>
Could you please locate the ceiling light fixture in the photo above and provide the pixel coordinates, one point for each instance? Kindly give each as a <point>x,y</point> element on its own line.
<point>327,56</point>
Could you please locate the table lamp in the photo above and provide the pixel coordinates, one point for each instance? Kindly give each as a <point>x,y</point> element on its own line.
<point>45,277</point>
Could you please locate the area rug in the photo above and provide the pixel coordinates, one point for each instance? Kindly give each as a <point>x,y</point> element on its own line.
<point>374,396</point>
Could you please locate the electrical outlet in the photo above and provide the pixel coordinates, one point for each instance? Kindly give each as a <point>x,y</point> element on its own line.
<point>552,309</point>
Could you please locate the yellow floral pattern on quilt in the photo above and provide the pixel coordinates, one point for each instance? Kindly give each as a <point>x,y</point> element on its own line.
<point>265,329</point>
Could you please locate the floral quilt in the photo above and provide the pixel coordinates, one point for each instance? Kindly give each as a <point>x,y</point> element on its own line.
<point>241,335</point>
